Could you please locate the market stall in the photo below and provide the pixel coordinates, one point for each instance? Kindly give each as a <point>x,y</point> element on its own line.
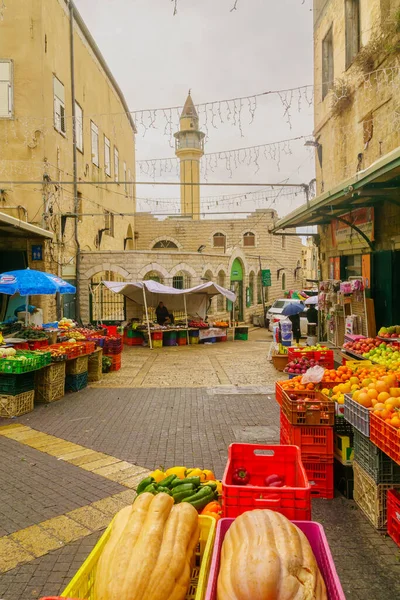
<point>193,301</point>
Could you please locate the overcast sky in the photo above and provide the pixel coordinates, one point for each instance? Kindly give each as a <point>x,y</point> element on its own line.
<point>263,45</point>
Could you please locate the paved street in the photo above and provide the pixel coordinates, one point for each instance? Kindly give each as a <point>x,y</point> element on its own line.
<point>69,466</point>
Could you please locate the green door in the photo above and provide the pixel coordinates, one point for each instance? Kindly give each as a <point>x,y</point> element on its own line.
<point>237,285</point>
<point>382,277</point>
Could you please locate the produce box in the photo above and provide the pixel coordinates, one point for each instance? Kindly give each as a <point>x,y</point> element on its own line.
<point>376,463</point>
<point>158,343</point>
<point>393,515</point>
<point>260,462</point>
<point>24,362</point>
<point>51,373</point>
<point>312,440</point>
<point>356,414</point>
<point>113,345</point>
<point>343,427</point>
<point>343,478</point>
<point>50,392</point>
<point>320,475</point>
<point>78,365</point>
<point>75,383</point>
<point>385,437</point>
<point>344,451</point>
<point>95,366</point>
<point>16,384</point>
<point>15,406</point>
<point>318,542</point>
<point>115,361</point>
<point>81,586</point>
<point>308,408</point>
<point>371,497</point>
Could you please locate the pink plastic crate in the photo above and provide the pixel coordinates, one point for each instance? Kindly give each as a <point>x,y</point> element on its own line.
<point>293,500</point>
<point>319,544</point>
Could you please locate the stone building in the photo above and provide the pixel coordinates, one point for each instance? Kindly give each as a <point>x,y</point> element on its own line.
<point>52,77</point>
<point>357,134</point>
<point>185,250</point>
<point>309,263</point>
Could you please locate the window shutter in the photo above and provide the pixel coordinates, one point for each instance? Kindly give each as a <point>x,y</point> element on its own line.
<point>62,119</point>
<point>5,99</point>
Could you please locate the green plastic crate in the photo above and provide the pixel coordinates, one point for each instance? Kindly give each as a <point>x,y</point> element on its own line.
<point>241,336</point>
<point>14,384</point>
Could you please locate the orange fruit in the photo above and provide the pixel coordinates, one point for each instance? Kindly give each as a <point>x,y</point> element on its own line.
<point>381,386</point>
<point>383,396</point>
<point>365,400</point>
<point>372,394</point>
<point>395,421</point>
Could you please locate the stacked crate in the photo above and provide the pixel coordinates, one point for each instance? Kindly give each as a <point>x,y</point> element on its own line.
<point>374,475</point>
<point>50,383</point>
<point>16,394</point>
<point>344,455</point>
<point>95,366</point>
<point>113,349</point>
<point>308,422</point>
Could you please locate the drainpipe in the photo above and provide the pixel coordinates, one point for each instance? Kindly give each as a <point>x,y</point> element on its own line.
<point>74,160</point>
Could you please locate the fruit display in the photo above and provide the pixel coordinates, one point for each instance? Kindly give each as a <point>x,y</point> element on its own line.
<point>150,551</point>
<point>198,324</point>
<point>74,334</point>
<point>390,332</point>
<point>221,324</point>
<point>66,324</point>
<point>7,352</point>
<point>300,365</point>
<point>296,385</point>
<point>264,555</point>
<point>362,346</point>
<point>316,348</point>
<point>32,333</point>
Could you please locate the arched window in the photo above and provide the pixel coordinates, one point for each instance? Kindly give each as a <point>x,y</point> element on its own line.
<point>259,292</point>
<point>251,289</point>
<point>153,276</point>
<point>165,245</point>
<point>219,240</point>
<point>181,281</point>
<point>221,282</point>
<point>283,282</point>
<point>249,240</point>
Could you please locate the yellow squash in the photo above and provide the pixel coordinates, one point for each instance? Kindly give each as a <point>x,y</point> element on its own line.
<point>150,552</point>
<point>265,557</point>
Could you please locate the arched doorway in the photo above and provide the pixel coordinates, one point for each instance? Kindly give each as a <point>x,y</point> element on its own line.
<point>105,305</point>
<point>237,277</point>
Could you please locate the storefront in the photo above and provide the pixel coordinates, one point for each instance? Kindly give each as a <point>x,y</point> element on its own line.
<point>359,233</point>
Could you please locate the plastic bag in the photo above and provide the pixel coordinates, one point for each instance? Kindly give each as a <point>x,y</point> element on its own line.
<point>313,375</point>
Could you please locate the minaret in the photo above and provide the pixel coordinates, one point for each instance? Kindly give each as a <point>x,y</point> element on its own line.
<point>189,148</point>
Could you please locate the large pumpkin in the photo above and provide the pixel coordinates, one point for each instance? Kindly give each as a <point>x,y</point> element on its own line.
<point>265,557</point>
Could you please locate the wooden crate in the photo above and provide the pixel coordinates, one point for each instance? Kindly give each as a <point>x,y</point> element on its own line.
<point>50,392</point>
<point>371,497</point>
<point>95,366</point>
<point>15,406</point>
<point>77,366</point>
<point>53,372</point>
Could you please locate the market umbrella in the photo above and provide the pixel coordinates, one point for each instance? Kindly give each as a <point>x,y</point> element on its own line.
<point>312,300</point>
<point>29,282</point>
<point>292,309</point>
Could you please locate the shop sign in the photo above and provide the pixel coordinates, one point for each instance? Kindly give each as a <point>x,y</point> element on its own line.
<point>366,270</point>
<point>37,252</point>
<point>266,277</point>
<point>346,238</point>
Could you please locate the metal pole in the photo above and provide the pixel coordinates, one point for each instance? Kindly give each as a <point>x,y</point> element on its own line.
<point>74,161</point>
<point>186,317</point>
<point>262,294</point>
<point>26,310</point>
<point>147,317</point>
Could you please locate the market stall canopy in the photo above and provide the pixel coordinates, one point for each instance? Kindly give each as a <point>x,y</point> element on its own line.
<point>29,282</point>
<point>312,300</point>
<point>196,297</point>
<point>12,227</point>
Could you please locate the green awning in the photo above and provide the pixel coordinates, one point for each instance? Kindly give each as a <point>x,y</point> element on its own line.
<point>380,181</point>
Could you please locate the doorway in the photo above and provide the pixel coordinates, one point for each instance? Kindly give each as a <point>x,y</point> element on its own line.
<point>237,277</point>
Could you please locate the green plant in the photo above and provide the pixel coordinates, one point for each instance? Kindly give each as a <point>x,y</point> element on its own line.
<point>106,364</point>
<point>341,97</point>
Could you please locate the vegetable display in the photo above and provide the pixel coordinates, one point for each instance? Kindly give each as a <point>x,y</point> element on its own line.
<point>240,476</point>
<point>266,557</point>
<point>150,551</point>
<point>193,486</point>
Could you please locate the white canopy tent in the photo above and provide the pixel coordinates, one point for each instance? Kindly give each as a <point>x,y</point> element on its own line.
<point>192,300</point>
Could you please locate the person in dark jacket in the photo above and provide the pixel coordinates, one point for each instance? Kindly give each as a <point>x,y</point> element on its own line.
<point>295,319</point>
<point>312,314</point>
<point>163,315</point>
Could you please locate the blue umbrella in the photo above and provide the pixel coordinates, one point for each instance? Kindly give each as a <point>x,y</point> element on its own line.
<point>292,308</point>
<point>29,282</point>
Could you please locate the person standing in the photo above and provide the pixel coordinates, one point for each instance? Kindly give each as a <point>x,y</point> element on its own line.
<point>163,315</point>
<point>312,314</point>
<point>295,320</point>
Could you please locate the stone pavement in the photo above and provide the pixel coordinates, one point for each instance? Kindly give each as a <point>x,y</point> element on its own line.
<point>66,465</point>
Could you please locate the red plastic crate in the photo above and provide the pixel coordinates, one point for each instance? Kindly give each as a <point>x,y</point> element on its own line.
<point>182,341</point>
<point>313,440</point>
<point>325,358</point>
<point>111,329</point>
<point>393,515</point>
<point>385,437</point>
<point>319,545</point>
<point>156,335</point>
<point>115,361</point>
<point>293,501</point>
<point>320,475</point>
<point>278,392</point>
<point>295,352</point>
<point>305,413</point>
<point>38,344</point>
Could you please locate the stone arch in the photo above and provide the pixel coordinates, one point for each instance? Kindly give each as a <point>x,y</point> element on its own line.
<point>153,267</point>
<point>208,267</point>
<point>106,267</point>
<point>238,253</point>
<point>183,267</point>
<point>167,238</point>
